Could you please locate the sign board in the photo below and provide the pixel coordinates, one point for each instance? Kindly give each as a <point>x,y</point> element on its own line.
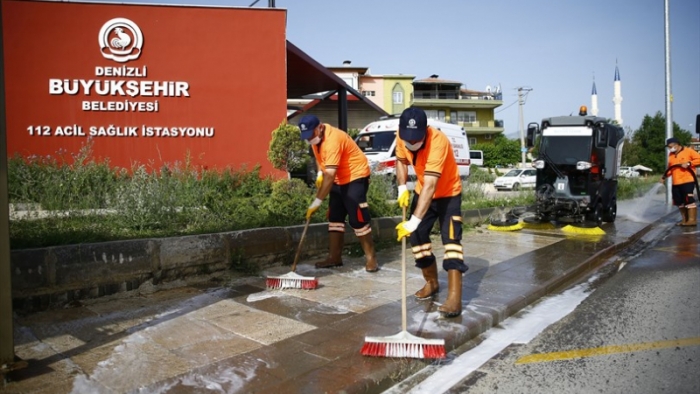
<point>144,84</point>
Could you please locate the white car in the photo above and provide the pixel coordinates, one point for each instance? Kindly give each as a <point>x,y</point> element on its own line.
<point>516,179</point>
<point>627,172</point>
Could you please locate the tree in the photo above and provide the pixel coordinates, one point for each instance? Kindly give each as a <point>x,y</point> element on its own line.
<point>647,145</point>
<point>501,152</point>
<point>287,151</point>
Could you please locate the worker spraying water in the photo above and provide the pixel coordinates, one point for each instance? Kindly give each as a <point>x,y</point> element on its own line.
<point>577,167</point>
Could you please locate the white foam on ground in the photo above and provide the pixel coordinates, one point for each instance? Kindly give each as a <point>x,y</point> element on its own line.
<point>522,329</point>
<point>225,380</point>
<point>263,295</point>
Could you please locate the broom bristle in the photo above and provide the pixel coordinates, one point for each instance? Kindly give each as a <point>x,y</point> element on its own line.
<point>515,227</point>
<point>403,345</point>
<point>583,230</point>
<point>291,281</point>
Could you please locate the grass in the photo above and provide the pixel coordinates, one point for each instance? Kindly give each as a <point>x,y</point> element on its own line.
<point>74,198</point>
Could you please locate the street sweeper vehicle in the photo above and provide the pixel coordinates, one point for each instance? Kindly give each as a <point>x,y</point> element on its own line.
<point>577,162</point>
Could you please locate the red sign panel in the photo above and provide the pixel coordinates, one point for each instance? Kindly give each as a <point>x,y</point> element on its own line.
<point>146,84</point>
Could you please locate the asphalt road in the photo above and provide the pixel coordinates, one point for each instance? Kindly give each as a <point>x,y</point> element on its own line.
<point>638,332</point>
<point>635,331</point>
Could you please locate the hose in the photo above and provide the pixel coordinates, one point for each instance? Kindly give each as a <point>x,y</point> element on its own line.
<point>697,188</point>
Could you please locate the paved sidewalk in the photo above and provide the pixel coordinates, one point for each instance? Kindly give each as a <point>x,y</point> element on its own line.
<point>235,336</point>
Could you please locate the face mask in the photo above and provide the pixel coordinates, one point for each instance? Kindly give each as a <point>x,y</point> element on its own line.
<point>314,141</point>
<point>672,149</point>
<point>413,147</point>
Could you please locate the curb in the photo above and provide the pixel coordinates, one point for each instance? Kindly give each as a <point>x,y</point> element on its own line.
<point>43,278</point>
<point>404,369</point>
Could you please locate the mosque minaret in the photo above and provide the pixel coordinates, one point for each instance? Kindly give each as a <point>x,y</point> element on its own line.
<point>617,96</point>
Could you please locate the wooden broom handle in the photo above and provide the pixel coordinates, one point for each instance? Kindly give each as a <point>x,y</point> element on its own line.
<point>403,277</point>
<point>301,241</point>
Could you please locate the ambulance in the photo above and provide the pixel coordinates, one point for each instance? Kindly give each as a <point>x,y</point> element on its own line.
<point>378,142</point>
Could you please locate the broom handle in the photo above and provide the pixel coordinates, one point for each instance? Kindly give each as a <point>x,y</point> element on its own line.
<point>403,277</point>
<point>301,241</point>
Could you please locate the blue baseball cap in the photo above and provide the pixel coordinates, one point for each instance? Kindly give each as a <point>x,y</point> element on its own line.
<point>672,140</point>
<point>307,125</point>
<point>413,124</point>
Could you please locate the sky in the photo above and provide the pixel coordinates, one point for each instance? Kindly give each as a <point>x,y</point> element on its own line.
<point>554,47</point>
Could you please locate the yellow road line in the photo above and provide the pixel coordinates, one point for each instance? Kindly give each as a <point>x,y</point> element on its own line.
<point>613,349</point>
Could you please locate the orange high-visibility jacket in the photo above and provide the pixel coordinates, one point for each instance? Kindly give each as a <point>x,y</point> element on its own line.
<point>679,174</point>
<point>340,152</point>
<point>436,158</point>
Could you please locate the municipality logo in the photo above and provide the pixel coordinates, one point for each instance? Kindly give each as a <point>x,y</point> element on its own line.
<point>120,40</point>
<point>411,124</point>
<point>303,127</point>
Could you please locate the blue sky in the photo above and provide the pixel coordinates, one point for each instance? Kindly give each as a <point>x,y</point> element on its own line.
<point>554,47</point>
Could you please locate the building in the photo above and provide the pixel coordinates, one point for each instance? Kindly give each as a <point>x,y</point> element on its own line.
<point>448,101</point>
<point>392,93</point>
<point>361,110</point>
<point>139,97</point>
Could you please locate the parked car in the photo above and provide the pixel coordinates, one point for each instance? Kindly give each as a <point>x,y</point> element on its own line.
<point>516,179</point>
<point>476,157</point>
<point>627,172</point>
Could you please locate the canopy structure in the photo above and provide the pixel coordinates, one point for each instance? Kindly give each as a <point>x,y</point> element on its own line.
<point>640,167</point>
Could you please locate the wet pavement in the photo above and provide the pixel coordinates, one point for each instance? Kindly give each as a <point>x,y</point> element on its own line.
<point>236,336</point>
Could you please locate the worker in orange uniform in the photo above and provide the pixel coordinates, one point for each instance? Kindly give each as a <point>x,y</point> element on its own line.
<point>438,196</point>
<point>344,174</point>
<point>682,163</point>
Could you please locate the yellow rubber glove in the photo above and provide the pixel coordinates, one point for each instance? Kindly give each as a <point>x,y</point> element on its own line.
<point>404,229</point>
<point>404,195</point>
<point>319,179</point>
<point>313,208</point>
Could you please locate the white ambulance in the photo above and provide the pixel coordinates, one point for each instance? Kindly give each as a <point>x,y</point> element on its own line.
<point>378,141</point>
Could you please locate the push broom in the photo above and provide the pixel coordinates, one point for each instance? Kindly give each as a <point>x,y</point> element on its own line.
<point>292,280</point>
<point>403,344</point>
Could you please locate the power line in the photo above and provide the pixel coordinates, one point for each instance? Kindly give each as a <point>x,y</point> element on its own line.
<point>506,107</point>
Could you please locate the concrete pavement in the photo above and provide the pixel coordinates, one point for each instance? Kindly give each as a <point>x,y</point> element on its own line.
<point>233,335</point>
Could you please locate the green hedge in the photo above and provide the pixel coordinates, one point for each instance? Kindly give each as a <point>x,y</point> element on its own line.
<point>77,199</point>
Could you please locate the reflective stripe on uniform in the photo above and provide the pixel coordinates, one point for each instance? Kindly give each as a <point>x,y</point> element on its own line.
<point>452,225</point>
<point>454,251</point>
<point>337,227</point>
<point>421,251</point>
<point>363,231</point>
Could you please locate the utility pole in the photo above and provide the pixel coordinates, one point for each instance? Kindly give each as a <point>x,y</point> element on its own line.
<point>521,102</point>
<point>669,96</point>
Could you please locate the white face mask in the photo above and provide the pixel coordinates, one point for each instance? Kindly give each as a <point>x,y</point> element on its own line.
<point>413,147</point>
<point>672,149</point>
<point>314,141</point>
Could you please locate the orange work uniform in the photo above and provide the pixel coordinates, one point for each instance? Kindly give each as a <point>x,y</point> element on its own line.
<point>436,158</point>
<point>683,179</point>
<point>348,196</point>
<point>684,155</point>
<point>338,151</point>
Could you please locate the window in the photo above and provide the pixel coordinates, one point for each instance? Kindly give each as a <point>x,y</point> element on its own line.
<point>435,114</point>
<point>464,116</point>
<point>349,81</point>
<point>472,141</point>
<point>398,97</point>
<point>368,93</point>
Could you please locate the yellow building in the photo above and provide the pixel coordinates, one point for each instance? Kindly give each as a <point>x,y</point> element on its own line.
<point>447,101</point>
